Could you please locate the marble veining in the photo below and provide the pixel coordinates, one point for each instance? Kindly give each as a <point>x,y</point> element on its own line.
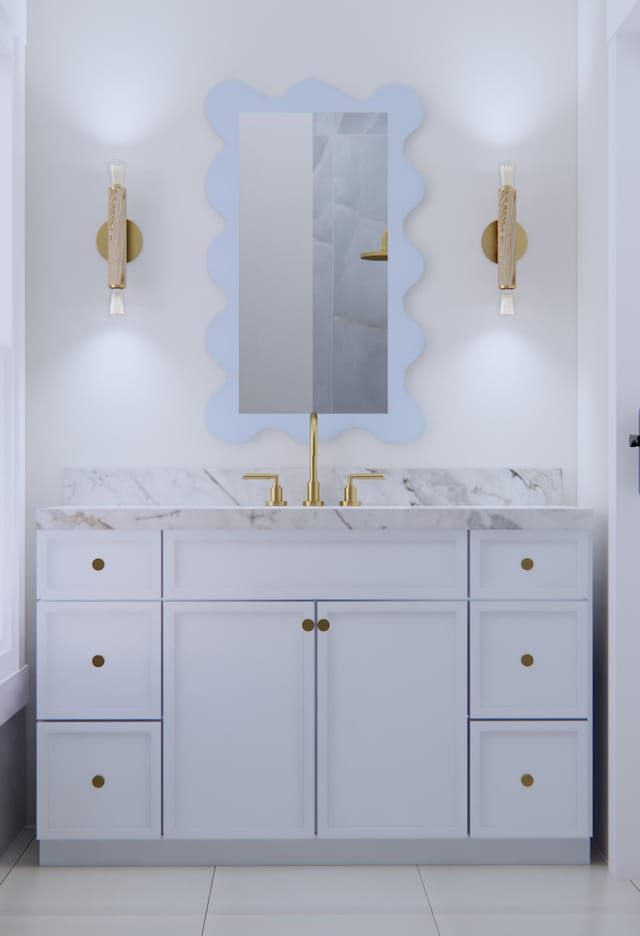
<point>209,487</point>
<point>313,518</point>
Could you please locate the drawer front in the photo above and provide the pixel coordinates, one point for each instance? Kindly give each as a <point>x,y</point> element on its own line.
<point>530,659</point>
<point>98,781</point>
<point>99,565</point>
<point>302,564</point>
<point>530,780</point>
<point>99,660</point>
<point>530,564</point>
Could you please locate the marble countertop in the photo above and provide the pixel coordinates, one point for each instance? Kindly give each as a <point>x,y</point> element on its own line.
<point>309,518</point>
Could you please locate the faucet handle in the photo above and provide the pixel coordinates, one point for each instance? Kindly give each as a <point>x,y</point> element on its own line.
<point>276,498</point>
<point>350,492</point>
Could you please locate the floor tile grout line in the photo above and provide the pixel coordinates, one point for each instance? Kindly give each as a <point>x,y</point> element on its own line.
<point>206,909</point>
<point>19,858</point>
<point>426,894</point>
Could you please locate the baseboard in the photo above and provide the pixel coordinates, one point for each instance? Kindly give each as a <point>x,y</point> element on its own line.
<point>316,852</point>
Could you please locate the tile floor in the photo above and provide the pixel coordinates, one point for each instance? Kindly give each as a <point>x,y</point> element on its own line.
<point>347,901</point>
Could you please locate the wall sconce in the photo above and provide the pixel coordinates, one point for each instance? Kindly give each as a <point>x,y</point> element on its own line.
<point>505,241</point>
<point>119,241</point>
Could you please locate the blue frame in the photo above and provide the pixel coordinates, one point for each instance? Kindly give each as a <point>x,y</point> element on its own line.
<point>404,420</point>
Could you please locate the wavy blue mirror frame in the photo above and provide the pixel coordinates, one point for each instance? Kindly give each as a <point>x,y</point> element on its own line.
<point>404,420</point>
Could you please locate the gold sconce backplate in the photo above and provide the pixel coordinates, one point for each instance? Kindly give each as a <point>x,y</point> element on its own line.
<point>134,241</point>
<point>490,241</point>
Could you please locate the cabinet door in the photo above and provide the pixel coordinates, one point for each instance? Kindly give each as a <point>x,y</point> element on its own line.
<point>239,681</point>
<point>392,719</point>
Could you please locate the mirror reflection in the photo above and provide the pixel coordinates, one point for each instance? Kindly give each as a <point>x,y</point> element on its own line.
<point>313,311</point>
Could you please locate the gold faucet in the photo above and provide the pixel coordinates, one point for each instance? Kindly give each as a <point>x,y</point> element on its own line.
<point>313,487</point>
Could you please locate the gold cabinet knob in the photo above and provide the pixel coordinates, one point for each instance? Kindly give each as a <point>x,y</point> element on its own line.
<point>526,780</point>
<point>98,565</point>
<point>527,564</point>
<point>323,625</point>
<point>97,660</point>
<point>526,659</point>
<point>307,625</point>
<point>276,497</point>
<point>97,781</point>
<point>350,498</point>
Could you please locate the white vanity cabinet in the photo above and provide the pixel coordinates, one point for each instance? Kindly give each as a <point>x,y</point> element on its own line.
<point>314,695</point>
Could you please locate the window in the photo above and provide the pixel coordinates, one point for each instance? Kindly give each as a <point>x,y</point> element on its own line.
<point>11,352</point>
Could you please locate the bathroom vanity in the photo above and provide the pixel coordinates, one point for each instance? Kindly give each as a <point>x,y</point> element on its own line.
<point>371,685</point>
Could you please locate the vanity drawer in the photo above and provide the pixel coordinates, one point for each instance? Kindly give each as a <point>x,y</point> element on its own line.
<point>286,565</point>
<point>98,564</point>
<point>98,780</point>
<point>530,780</point>
<point>530,659</point>
<point>530,564</point>
<point>99,660</point>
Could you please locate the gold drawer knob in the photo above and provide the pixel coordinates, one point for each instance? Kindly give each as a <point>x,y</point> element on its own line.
<point>98,781</point>
<point>307,625</point>
<point>526,659</point>
<point>527,564</point>
<point>98,660</point>
<point>98,565</point>
<point>323,625</point>
<point>526,780</point>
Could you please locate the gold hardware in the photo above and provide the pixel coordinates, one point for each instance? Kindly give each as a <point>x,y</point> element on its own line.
<point>527,564</point>
<point>307,625</point>
<point>526,780</point>
<point>276,497</point>
<point>323,625</point>
<point>526,659</point>
<point>98,565</point>
<point>98,781</point>
<point>350,492</point>
<point>98,660</point>
<point>490,242</point>
<point>134,241</point>
<point>382,254</point>
<point>313,488</point>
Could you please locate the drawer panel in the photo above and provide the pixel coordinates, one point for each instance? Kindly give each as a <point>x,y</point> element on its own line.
<point>300,565</point>
<point>530,780</point>
<point>98,564</point>
<point>530,659</point>
<point>530,564</point>
<point>99,660</point>
<point>98,780</point>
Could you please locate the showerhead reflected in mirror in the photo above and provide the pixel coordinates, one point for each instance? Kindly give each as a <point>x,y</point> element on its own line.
<point>313,200</point>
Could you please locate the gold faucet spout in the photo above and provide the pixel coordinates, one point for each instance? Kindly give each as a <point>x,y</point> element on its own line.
<point>313,487</point>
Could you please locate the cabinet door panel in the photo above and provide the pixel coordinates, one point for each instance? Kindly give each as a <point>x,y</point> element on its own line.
<point>98,565</point>
<point>239,720</point>
<point>98,780</point>
<point>98,660</point>
<point>530,779</point>
<point>530,659</point>
<point>392,720</point>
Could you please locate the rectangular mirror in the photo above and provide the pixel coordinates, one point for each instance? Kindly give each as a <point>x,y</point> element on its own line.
<point>313,308</point>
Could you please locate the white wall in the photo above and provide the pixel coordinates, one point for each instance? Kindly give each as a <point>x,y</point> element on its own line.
<point>128,80</point>
<point>592,352</point>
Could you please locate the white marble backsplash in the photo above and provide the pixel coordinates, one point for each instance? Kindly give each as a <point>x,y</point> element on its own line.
<point>213,487</point>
